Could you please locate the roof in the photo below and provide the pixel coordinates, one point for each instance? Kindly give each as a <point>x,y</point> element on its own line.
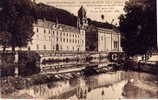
<point>82,12</point>
<point>55,26</point>
<point>107,30</point>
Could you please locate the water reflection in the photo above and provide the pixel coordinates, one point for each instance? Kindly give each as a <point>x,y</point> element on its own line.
<point>102,86</point>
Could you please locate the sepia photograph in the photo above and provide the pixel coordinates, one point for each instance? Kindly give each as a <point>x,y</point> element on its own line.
<point>78,49</point>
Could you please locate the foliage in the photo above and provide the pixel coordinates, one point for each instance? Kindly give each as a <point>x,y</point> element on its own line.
<point>5,39</point>
<point>51,13</point>
<point>16,19</point>
<point>138,27</point>
<point>28,64</point>
<point>7,70</point>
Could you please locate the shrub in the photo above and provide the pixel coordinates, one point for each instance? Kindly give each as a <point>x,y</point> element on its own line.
<point>7,69</point>
<point>29,63</point>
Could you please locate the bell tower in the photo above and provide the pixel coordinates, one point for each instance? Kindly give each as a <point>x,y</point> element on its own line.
<point>82,21</point>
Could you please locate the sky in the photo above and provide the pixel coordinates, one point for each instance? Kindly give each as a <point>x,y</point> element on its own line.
<point>111,9</point>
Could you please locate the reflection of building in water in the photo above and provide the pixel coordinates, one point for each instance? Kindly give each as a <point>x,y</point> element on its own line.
<point>105,79</point>
<point>45,90</point>
<point>96,82</point>
<point>82,90</point>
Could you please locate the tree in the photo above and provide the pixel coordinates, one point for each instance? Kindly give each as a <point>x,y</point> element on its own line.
<point>17,20</point>
<point>138,26</point>
<point>5,38</point>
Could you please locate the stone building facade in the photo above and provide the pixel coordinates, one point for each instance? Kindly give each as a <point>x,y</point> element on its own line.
<point>53,36</point>
<point>59,37</point>
<point>102,39</point>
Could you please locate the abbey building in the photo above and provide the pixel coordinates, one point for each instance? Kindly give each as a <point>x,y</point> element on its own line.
<point>54,37</point>
<point>59,37</point>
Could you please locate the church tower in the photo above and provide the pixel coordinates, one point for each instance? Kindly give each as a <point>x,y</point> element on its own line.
<point>82,21</point>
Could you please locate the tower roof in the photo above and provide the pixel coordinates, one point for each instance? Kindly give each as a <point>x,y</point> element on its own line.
<point>82,12</point>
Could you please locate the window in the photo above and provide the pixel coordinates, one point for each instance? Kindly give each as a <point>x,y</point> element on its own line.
<point>115,44</point>
<point>73,48</point>
<point>29,48</point>
<point>37,47</point>
<point>44,31</point>
<point>57,47</point>
<point>37,30</point>
<point>67,48</point>
<point>44,47</point>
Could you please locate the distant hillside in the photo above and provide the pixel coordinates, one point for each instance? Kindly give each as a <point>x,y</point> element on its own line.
<point>52,14</point>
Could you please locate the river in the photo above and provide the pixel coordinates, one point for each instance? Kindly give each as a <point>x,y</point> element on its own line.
<point>119,84</point>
